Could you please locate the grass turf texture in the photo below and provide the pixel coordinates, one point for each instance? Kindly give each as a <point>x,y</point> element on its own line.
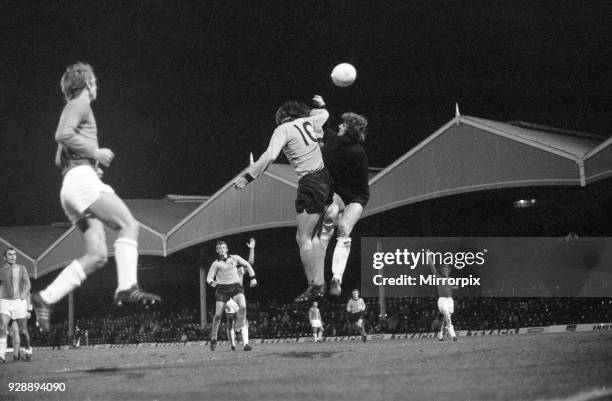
<point>519,367</point>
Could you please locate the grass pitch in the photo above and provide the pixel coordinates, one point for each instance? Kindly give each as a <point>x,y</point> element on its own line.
<point>569,366</point>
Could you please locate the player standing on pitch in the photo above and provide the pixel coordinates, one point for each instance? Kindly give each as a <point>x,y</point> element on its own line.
<point>88,202</point>
<point>356,308</point>
<point>347,161</point>
<point>294,135</point>
<point>446,306</point>
<point>314,315</point>
<point>14,292</point>
<point>223,275</point>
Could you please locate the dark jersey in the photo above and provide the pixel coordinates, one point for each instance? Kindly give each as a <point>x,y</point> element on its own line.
<point>347,163</point>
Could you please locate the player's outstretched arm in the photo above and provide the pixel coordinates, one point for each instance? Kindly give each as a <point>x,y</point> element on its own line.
<point>319,116</point>
<point>251,245</point>
<point>249,268</point>
<point>277,142</point>
<point>28,285</point>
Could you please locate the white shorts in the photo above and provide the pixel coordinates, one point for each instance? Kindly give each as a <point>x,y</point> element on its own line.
<point>80,189</point>
<point>446,304</point>
<point>316,323</point>
<point>15,308</point>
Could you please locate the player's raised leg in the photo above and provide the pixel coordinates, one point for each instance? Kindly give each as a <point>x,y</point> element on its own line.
<point>110,209</point>
<point>310,256</point>
<point>75,273</point>
<point>329,219</point>
<point>349,217</point>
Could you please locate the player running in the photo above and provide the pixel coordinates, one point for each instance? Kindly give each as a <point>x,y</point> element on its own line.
<point>347,161</point>
<point>294,135</point>
<point>223,275</point>
<point>89,203</point>
<point>314,315</point>
<point>14,292</point>
<point>445,298</point>
<point>356,308</point>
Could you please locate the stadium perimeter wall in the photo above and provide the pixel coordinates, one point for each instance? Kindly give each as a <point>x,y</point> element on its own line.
<point>565,328</point>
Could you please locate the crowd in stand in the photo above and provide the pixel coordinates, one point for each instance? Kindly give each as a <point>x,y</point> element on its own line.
<point>275,320</point>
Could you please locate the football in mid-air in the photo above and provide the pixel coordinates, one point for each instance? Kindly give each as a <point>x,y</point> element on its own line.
<point>343,75</point>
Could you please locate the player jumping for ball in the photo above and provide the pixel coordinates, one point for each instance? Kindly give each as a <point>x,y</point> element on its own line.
<point>223,275</point>
<point>445,298</point>
<point>347,161</point>
<point>294,135</point>
<point>88,202</point>
<point>356,308</point>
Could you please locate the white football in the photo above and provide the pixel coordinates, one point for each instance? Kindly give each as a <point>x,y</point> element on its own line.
<point>343,75</point>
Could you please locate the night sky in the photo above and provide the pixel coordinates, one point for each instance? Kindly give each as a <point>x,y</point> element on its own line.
<point>188,89</point>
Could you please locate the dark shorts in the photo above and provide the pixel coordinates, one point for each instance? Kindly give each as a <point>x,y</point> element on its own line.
<point>314,192</point>
<point>354,317</point>
<point>352,196</point>
<point>223,292</point>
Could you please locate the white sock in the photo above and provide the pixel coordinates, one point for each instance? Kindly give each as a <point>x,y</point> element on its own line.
<point>315,336</point>
<point>341,253</point>
<point>441,333</point>
<point>70,278</point>
<point>2,346</point>
<point>245,334</point>
<point>451,330</point>
<point>126,259</point>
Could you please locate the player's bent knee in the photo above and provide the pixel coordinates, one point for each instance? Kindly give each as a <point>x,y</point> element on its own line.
<point>344,230</point>
<point>99,259</point>
<point>305,243</point>
<point>133,226</point>
<point>331,214</point>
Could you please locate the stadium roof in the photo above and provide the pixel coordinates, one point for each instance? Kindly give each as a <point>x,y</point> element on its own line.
<point>473,154</point>
<point>597,162</point>
<point>268,204</point>
<point>43,249</point>
<point>467,154</point>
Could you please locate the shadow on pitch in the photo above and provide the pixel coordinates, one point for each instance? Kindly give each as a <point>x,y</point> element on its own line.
<point>307,354</point>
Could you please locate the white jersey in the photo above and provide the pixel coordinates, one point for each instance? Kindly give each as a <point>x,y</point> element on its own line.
<point>297,139</point>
